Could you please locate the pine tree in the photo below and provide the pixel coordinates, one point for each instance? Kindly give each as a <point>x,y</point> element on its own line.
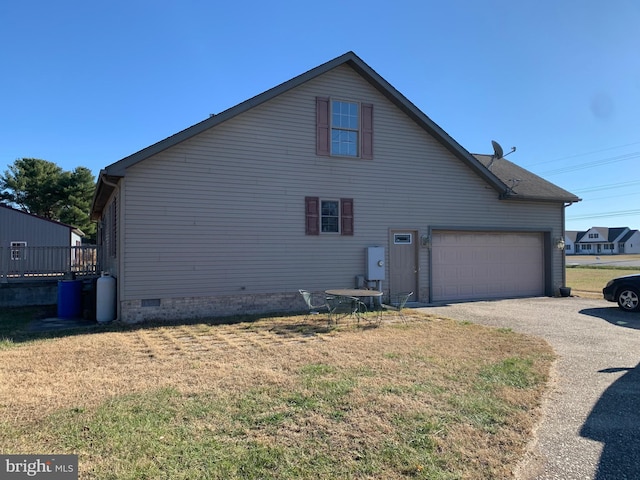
<point>43,188</point>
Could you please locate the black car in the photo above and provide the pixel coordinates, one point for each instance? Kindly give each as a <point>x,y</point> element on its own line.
<point>624,290</point>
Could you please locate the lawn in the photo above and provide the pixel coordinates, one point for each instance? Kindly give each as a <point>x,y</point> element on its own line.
<point>281,397</point>
<point>589,280</point>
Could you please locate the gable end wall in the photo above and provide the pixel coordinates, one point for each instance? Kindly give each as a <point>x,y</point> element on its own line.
<point>220,218</point>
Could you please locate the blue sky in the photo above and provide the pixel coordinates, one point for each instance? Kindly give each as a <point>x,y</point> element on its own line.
<point>87,83</point>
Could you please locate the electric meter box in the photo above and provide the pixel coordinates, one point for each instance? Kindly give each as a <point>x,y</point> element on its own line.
<point>375,263</point>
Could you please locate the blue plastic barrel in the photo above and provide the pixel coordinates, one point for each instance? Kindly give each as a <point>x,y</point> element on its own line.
<point>69,298</point>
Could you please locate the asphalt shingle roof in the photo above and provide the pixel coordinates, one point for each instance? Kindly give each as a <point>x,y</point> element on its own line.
<point>524,184</point>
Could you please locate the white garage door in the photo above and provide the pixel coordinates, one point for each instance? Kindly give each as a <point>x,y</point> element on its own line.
<point>472,265</point>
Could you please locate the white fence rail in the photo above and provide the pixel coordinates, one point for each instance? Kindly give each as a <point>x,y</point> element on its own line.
<point>23,263</point>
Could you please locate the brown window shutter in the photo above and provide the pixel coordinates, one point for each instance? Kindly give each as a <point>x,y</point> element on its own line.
<point>346,216</point>
<point>323,137</point>
<point>366,151</point>
<point>312,215</point>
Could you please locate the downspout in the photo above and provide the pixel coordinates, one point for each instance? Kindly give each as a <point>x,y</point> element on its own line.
<point>118,280</point>
<point>107,182</point>
<point>564,254</point>
<point>430,263</point>
<point>115,188</point>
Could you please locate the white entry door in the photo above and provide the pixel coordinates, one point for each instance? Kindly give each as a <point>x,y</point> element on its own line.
<point>474,265</point>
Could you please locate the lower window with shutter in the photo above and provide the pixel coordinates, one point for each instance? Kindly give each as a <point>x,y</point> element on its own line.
<point>329,216</point>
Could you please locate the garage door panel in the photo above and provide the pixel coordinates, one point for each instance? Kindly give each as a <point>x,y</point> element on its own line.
<point>472,265</point>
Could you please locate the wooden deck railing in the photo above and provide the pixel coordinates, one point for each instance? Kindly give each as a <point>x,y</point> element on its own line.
<point>19,264</point>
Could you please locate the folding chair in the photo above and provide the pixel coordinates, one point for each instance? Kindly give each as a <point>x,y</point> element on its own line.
<point>340,307</point>
<point>314,305</point>
<point>397,303</point>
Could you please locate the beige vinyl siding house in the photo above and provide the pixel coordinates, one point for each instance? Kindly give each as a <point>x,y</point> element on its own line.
<point>227,216</point>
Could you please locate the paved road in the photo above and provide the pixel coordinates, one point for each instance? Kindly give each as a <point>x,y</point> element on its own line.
<point>604,261</point>
<point>591,419</point>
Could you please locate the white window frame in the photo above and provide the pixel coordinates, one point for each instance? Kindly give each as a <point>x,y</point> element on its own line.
<point>322,216</point>
<point>18,251</point>
<point>403,238</point>
<point>344,129</point>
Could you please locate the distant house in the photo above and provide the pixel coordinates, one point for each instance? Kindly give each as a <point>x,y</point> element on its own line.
<point>602,241</point>
<point>288,189</point>
<point>630,242</point>
<point>24,237</point>
<point>22,229</point>
<point>570,238</point>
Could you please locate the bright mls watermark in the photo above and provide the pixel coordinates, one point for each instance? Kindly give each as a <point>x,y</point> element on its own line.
<point>50,467</point>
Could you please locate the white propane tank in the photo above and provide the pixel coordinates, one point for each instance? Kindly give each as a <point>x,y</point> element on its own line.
<point>105,298</point>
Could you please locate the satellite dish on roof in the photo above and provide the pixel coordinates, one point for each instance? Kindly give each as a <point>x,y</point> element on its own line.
<point>497,150</point>
<point>498,153</point>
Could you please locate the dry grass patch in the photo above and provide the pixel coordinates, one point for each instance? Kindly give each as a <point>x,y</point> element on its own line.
<point>278,398</point>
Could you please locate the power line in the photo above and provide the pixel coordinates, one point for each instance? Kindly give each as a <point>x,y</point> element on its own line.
<point>584,154</point>
<point>606,187</point>
<point>595,163</point>
<point>620,213</point>
<point>626,195</point>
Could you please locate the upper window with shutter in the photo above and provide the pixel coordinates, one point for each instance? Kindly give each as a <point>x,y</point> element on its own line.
<point>344,128</point>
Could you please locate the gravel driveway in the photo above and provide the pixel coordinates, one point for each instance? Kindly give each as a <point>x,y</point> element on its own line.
<point>591,418</point>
